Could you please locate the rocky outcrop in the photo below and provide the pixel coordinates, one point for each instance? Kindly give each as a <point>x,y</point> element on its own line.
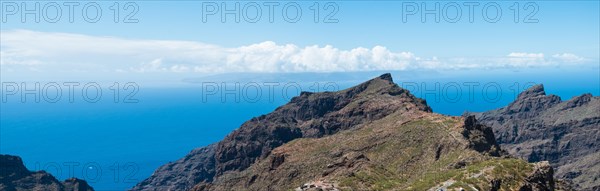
<point>14,176</point>
<point>539,127</point>
<point>374,136</point>
<point>541,178</point>
<point>481,138</point>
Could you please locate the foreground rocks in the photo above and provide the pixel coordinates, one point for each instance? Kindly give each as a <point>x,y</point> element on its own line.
<point>15,177</point>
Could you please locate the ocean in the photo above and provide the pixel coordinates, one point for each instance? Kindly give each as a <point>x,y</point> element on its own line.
<point>115,145</point>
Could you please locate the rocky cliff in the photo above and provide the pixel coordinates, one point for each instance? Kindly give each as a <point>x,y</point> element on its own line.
<point>374,136</point>
<point>540,127</point>
<point>15,177</point>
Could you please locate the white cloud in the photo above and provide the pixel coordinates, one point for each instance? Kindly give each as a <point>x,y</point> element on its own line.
<point>568,57</point>
<point>524,59</point>
<point>49,52</point>
<point>526,55</point>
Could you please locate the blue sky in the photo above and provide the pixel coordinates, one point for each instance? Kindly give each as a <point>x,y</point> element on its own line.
<point>171,46</point>
<point>368,36</point>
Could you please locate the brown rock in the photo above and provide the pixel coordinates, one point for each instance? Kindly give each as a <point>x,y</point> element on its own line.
<point>15,176</point>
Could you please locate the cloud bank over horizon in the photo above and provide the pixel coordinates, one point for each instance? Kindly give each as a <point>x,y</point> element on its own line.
<point>26,51</point>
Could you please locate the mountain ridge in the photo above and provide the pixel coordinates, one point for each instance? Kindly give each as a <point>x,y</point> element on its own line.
<point>538,127</point>
<point>293,120</point>
<point>374,135</point>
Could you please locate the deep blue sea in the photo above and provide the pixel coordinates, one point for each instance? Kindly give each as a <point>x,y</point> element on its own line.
<point>115,145</point>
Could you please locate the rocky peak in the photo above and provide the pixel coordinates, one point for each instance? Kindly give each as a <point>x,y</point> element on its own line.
<point>12,168</point>
<point>532,92</point>
<point>15,176</point>
<point>540,127</point>
<point>386,76</point>
<point>531,101</point>
<point>579,100</point>
<point>381,84</point>
<point>314,115</point>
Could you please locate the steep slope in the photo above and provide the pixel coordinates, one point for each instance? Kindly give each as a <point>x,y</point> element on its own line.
<point>540,127</point>
<point>14,177</point>
<point>418,151</point>
<point>308,115</point>
<point>372,136</point>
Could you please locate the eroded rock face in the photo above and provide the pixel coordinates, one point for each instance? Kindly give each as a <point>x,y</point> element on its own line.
<point>14,176</point>
<point>481,137</point>
<point>539,127</point>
